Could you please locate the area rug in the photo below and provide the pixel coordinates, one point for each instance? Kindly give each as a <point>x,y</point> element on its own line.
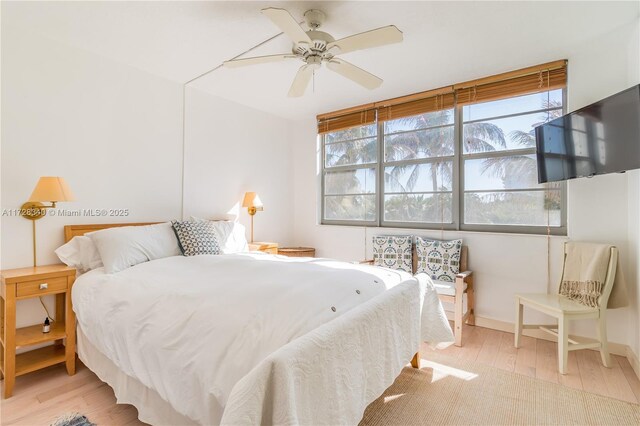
<point>74,419</point>
<point>466,393</point>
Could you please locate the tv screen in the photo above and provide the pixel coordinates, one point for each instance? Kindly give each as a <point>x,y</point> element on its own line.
<point>603,137</point>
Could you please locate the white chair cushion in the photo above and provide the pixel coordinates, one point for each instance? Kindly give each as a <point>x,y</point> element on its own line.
<point>446,288</point>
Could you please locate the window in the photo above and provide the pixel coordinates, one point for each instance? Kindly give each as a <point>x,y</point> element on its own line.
<point>350,174</point>
<point>462,158</point>
<point>419,153</point>
<point>500,184</point>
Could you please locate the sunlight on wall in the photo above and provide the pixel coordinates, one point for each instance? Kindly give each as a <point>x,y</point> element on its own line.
<point>234,211</point>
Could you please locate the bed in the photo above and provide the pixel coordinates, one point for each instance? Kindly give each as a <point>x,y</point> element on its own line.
<point>251,338</point>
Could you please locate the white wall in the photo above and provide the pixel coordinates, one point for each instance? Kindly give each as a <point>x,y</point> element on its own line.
<point>115,133</point>
<point>598,208</point>
<point>112,131</point>
<point>633,259</point>
<point>231,149</point>
<point>633,72</point>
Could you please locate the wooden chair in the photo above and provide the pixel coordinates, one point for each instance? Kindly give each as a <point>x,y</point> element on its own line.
<point>453,292</point>
<point>564,310</point>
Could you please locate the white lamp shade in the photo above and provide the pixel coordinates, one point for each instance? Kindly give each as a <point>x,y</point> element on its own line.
<point>51,189</point>
<point>251,199</point>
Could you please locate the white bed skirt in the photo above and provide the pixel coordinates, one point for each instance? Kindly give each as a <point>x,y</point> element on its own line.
<point>151,407</point>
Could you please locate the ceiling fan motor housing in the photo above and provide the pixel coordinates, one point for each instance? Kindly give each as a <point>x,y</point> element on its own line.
<point>318,46</point>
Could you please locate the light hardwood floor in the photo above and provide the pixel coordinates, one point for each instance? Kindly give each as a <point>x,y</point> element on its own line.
<point>42,396</point>
<point>539,358</point>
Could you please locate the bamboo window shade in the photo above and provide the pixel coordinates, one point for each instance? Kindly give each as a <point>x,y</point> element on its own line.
<point>539,78</point>
<point>347,120</point>
<point>528,80</point>
<point>419,106</point>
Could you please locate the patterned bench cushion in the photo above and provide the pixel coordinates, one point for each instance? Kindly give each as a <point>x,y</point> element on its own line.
<point>393,252</point>
<point>438,259</point>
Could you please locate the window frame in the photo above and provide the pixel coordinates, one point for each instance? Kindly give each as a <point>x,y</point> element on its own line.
<point>454,160</point>
<point>457,189</point>
<point>344,168</point>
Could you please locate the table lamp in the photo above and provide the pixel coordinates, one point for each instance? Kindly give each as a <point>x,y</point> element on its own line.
<point>48,190</point>
<point>253,204</point>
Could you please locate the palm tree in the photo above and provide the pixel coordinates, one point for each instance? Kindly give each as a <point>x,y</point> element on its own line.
<point>428,143</point>
<point>361,150</point>
<point>483,137</point>
<point>513,170</point>
<point>521,166</point>
<point>435,143</point>
<point>431,138</point>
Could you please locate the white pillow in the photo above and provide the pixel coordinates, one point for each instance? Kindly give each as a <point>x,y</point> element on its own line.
<point>231,235</point>
<point>89,254</point>
<point>126,246</point>
<point>80,253</point>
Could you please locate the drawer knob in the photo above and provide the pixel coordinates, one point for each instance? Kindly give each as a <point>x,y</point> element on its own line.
<point>44,286</point>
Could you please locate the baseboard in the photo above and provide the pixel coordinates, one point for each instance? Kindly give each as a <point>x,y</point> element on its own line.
<point>614,348</point>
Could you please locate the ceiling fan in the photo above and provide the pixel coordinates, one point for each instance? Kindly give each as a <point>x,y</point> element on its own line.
<point>315,47</point>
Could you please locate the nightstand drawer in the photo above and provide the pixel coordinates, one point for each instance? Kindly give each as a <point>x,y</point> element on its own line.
<point>41,287</point>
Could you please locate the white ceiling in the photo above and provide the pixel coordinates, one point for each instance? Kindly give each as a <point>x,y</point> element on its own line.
<point>444,42</point>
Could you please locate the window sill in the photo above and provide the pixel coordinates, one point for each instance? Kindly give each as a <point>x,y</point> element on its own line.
<point>404,230</point>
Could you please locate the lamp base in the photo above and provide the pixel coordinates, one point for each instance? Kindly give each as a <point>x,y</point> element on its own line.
<point>33,210</point>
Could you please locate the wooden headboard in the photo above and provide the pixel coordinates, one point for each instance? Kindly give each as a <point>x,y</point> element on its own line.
<point>71,231</point>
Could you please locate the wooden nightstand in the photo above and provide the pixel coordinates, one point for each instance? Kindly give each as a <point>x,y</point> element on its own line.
<point>24,283</point>
<point>264,246</point>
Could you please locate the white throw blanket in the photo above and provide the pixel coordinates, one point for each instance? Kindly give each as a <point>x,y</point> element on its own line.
<point>254,335</point>
<point>585,272</point>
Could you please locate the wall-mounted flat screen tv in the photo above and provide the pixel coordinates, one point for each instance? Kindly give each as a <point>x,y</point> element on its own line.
<point>603,137</point>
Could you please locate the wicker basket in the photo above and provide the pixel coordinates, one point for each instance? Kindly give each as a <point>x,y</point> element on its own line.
<point>297,251</point>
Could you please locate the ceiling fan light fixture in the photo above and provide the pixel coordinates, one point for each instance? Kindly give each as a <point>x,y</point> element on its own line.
<point>314,61</point>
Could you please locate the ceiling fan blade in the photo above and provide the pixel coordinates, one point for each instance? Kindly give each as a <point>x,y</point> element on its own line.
<point>368,39</point>
<point>257,60</point>
<point>287,24</point>
<point>301,81</point>
<point>350,71</point>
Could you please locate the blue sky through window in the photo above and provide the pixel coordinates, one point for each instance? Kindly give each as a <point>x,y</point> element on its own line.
<point>475,178</point>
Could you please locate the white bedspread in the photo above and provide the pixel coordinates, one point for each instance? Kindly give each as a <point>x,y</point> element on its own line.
<point>254,339</point>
